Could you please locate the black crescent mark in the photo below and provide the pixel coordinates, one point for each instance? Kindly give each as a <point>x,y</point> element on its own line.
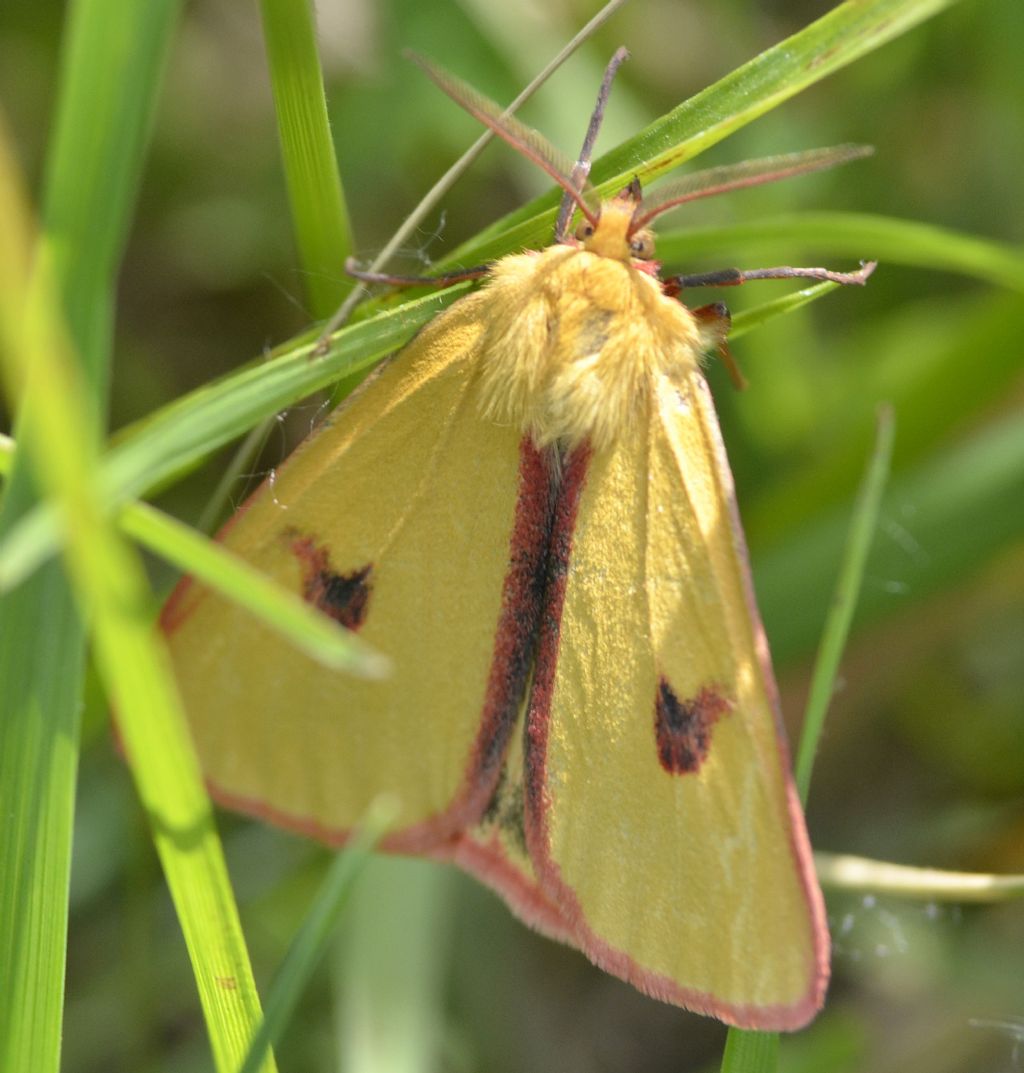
<point>345,597</point>
<point>682,728</point>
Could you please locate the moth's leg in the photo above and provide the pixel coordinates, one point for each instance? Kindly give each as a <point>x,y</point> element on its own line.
<point>713,323</point>
<point>446,280</point>
<point>714,320</point>
<point>323,342</point>
<point>733,277</point>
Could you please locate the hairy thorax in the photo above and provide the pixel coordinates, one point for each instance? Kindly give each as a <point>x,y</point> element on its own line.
<point>576,344</point>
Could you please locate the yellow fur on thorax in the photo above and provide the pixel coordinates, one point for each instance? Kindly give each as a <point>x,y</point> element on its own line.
<point>574,343</point>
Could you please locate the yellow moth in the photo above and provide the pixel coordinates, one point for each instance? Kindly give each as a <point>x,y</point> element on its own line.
<point>529,511</point>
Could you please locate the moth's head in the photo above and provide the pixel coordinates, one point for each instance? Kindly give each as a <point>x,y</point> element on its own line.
<point>613,233</point>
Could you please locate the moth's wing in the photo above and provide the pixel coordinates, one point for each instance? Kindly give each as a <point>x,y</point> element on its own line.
<point>410,518</point>
<point>660,812</point>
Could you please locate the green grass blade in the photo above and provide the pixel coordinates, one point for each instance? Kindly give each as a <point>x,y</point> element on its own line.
<point>750,1052</point>
<point>38,765</point>
<point>309,944</point>
<point>842,871</point>
<point>111,66</point>
<point>394,964</point>
<point>844,598</point>
<point>977,479</point>
<point>114,55</point>
<point>38,752</point>
<point>41,371</point>
<point>855,234</point>
<point>850,30</point>
<point>315,194</point>
<point>752,318</point>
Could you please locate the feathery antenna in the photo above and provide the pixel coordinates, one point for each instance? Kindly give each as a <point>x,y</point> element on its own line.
<point>581,169</point>
<point>530,143</point>
<point>728,177</point>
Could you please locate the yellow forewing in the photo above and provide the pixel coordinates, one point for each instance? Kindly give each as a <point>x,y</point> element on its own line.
<point>409,493</point>
<point>701,892</point>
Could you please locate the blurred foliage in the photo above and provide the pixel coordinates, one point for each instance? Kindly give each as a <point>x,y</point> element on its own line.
<point>923,758</point>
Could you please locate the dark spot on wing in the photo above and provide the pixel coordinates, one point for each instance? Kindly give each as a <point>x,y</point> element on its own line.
<point>682,728</point>
<point>345,597</point>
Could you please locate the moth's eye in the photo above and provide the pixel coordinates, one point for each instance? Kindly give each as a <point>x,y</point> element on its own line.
<point>584,230</point>
<point>642,247</point>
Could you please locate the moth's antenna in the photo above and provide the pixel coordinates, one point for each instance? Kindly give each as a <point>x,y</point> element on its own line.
<point>581,169</point>
<point>532,145</point>
<point>736,176</point>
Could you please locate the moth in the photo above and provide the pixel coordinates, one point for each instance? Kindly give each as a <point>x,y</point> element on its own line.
<point>530,512</point>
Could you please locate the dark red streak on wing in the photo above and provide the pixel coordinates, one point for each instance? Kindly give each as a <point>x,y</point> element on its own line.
<point>546,662</point>
<point>521,603</point>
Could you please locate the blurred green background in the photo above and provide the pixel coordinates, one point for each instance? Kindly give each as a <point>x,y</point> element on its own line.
<point>923,759</point>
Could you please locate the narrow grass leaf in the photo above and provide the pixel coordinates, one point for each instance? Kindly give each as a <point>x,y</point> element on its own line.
<point>309,944</point>
<point>923,545</point>
<point>42,372</point>
<point>319,216</point>
<point>752,318</point>
<point>112,58</point>
<point>844,598</point>
<point>840,871</point>
<point>750,1052</point>
<point>392,967</point>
